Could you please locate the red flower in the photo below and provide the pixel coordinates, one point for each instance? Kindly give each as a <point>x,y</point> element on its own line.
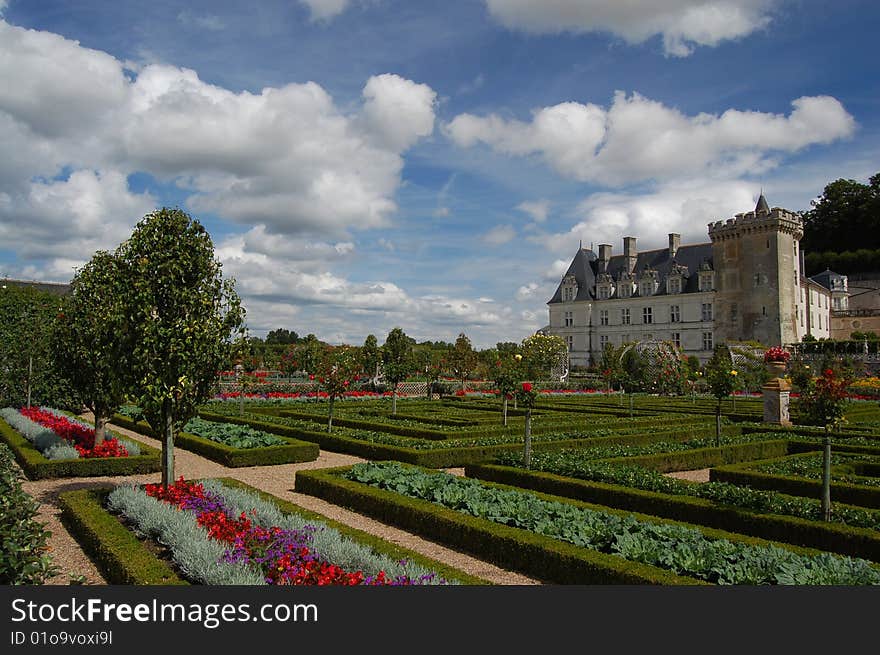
<point>526,386</point>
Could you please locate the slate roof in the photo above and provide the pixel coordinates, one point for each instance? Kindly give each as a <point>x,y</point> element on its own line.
<point>825,278</point>
<point>585,268</point>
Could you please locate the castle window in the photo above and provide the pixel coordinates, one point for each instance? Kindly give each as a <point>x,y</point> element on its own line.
<point>707,281</point>
<point>603,292</point>
<point>646,288</point>
<point>569,319</point>
<point>625,289</point>
<point>706,311</point>
<point>624,316</point>
<point>603,317</point>
<point>570,343</point>
<point>673,285</point>
<point>674,314</point>
<point>647,315</point>
<point>676,339</point>
<point>567,294</point>
<point>603,341</point>
<point>707,341</point>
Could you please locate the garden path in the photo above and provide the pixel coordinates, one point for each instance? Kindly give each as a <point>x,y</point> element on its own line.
<point>277,480</point>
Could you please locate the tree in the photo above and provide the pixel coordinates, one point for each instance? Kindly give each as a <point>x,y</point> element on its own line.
<point>371,357</point>
<point>462,359</point>
<point>397,361</point>
<point>282,337</point>
<point>845,217</point>
<point>541,353</point>
<point>181,317</point>
<point>309,352</point>
<point>721,378</point>
<point>506,374</point>
<point>335,372</point>
<point>527,397</point>
<point>87,343</point>
<point>823,402</point>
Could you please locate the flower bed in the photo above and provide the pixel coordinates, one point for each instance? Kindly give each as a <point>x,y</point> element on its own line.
<point>58,436</point>
<point>235,436</point>
<point>682,549</point>
<point>218,534</point>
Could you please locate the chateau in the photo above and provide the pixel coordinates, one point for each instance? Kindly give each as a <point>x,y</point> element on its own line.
<point>746,284</point>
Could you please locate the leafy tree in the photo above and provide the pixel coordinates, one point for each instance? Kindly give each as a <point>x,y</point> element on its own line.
<point>397,361</point>
<point>336,370</point>
<point>181,315</point>
<point>309,352</point>
<point>722,380</point>
<point>462,359</point>
<point>506,374</point>
<point>824,403</point>
<point>541,352</point>
<point>845,217</point>
<point>507,348</point>
<point>371,357</point>
<point>527,397</point>
<point>282,337</point>
<point>29,373</point>
<point>88,343</point>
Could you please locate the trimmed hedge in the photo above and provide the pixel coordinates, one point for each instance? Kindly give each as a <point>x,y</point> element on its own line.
<point>542,557</point>
<point>124,559</point>
<point>37,467</point>
<point>843,492</point>
<point>700,458</point>
<point>120,556</point>
<point>832,537</point>
<point>295,451</point>
<point>440,458</point>
<point>545,558</point>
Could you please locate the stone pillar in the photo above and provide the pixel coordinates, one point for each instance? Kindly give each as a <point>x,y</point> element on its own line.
<point>777,394</point>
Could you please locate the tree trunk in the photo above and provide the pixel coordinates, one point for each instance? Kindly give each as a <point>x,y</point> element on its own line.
<point>527,454</point>
<point>101,420</point>
<point>167,445</point>
<point>505,411</point>
<point>826,477</point>
<point>631,405</point>
<point>394,401</point>
<point>718,423</point>
<point>330,418</point>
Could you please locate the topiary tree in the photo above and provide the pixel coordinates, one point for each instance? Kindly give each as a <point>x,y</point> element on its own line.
<point>337,368</point>
<point>526,396</point>
<point>371,357</point>
<point>181,317</point>
<point>397,362</point>
<point>88,346</point>
<point>824,403</point>
<point>721,378</point>
<point>506,375</point>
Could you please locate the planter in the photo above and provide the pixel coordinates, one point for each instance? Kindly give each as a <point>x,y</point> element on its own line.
<point>777,369</point>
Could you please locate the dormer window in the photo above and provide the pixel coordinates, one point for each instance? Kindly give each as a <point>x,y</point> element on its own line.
<point>604,287</point>
<point>673,284</point>
<point>707,277</point>
<point>648,283</point>
<point>676,279</point>
<point>625,286</point>
<point>569,288</point>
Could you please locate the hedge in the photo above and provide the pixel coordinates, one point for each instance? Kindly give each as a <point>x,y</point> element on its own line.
<point>548,559</point>
<point>120,556</point>
<point>700,458</point>
<point>37,467</point>
<point>441,458</point>
<point>295,451</point>
<point>832,537</point>
<point>124,559</point>
<point>741,474</point>
<point>542,557</point>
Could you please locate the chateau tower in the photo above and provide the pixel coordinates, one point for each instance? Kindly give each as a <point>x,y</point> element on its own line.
<point>757,275</point>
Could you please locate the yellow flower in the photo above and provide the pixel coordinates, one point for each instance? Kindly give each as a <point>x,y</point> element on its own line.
<point>734,373</point>
<point>518,357</point>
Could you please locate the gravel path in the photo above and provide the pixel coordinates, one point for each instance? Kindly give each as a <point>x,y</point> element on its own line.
<point>277,480</point>
<point>698,475</point>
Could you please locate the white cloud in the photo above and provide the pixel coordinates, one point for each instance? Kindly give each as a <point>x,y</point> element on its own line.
<point>526,292</point>
<point>440,212</point>
<point>287,158</point>
<point>684,209</point>
<point>558,267</point>
<point>683,24</point>
<point>538,209</point>
<point>641,139</point>
<point>499,235</point>
<point>324,10</point>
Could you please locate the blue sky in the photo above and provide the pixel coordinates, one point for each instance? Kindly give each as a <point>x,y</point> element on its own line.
<point>366,164</point>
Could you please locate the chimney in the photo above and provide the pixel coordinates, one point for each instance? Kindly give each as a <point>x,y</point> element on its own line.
<point>629,252</point>
<point>674,243</point>
<point>604,256</point>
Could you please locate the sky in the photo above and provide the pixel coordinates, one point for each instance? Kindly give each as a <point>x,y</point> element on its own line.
<point>369,164</point>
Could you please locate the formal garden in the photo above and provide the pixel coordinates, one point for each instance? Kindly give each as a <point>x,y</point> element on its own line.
<point>753,468</point>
